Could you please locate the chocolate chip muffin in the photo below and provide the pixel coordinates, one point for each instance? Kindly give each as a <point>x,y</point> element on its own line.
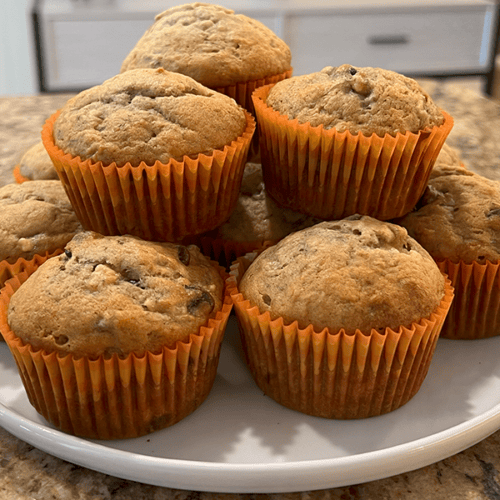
<point>348,140</point>
<point>37,217</point>
<point>356,273</point>
<point>147,115</point>
<point>211,44</point>
<point>35,164</point>
<point>119,294</point>
<point>458,217</point>
<point>366,100</point>
<point>340,320</point>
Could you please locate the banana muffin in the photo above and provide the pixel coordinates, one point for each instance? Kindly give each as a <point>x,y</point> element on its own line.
<point>457,221</point>
<point>37,217</point>
<point>340,320</point>
<point>256,216</point>
<point>458,217</point>
<point>348,140</point>
<point>356,273</point>
<point>366,100</point>
<point>116,294</point>
<point>147,115</point>
<point>35,164</point>
<point>211,44</point>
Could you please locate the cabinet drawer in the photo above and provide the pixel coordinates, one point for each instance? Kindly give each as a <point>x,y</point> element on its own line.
<point>434,42</point>
<point>85,53</point>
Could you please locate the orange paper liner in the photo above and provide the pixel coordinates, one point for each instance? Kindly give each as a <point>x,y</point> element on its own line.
<point>242,93</point>
<point>8,270</point>
<point>475,312</point>
<point>333,374</point>
<point>330,175</point>
<point>18,177</point>
<point>116,398</point>
<point>160,202</point>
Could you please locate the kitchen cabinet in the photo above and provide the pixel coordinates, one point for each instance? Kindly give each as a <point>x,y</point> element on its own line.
<point>81,43</point>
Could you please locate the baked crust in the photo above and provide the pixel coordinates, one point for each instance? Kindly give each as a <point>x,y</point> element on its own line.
<point>211,44</point>
<point>36,217</point>
<point>458,216</point>
<point>147,115</point>
<point>366,100</point>
<point>36,164</point>
<point>356,273</point>
<point>116,294</point>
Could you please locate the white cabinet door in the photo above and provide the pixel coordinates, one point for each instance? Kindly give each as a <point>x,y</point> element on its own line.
<point>434,42</point>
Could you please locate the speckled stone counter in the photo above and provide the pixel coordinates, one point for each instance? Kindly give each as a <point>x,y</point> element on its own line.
<point>27,473</point>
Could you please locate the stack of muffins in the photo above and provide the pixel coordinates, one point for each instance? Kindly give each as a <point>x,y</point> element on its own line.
<point>339,309</point>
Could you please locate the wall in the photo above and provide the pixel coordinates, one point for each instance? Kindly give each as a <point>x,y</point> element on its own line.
<point>17,61</point>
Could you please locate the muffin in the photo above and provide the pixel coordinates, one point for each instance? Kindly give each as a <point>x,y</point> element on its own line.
<point>340,320</point>
<point>448,157</point>
<point>227,52</point>
<point>37,220</point>
<point>130,328</point>
<point>35,164</point>
<point>348,140</point>
<point>256,222</point>
<point>150,153</point>
<point>457,221</point>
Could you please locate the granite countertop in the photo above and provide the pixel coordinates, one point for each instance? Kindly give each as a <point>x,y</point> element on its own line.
<point>28,473</point>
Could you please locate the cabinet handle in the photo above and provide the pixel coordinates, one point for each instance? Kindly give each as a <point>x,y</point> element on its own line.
<point>389,40</point>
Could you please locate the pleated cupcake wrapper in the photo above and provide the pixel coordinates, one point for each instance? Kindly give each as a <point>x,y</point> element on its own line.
<point>115,398</point>
<point>330,174</point>
<point>18,177</point>
<point>8,270</point>
<point>475,312</point>
<point>162,202</point>
<point>332,374</point>
<point>242,93</point>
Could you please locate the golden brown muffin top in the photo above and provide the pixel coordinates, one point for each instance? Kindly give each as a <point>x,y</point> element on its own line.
<point>458,217</point>
<point>366,100</point>
<point>147,115</point>
<point>35,164</point>
<point>35,217</point>
<point>211,44</point>
<point>356,273</point>
<point>116,294</point>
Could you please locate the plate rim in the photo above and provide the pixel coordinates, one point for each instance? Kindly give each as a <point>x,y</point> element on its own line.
<point>240,478</point>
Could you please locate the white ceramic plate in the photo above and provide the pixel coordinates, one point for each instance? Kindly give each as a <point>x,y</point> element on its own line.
<point>241,441</point>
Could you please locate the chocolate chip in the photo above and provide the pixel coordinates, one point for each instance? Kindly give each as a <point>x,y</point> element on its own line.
<point>266,299</point>
<point>353,71</point>
<point>407,247</point>
<point>61,340</point>
<point>68,254</point>
<point>183,255</point>
<point>202,299</point>
<point>354,217</point>
<point>493,212</point>
<point>131,277</point>
<point>356,232</point>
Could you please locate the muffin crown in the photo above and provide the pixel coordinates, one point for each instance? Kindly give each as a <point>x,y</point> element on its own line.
<point>458,216</point>
<point>366,100</point>
<point>116,294</point>
<point>147,115</point>
<point>211,44</point>
<point>357,273</point>
<point>36,217</point>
